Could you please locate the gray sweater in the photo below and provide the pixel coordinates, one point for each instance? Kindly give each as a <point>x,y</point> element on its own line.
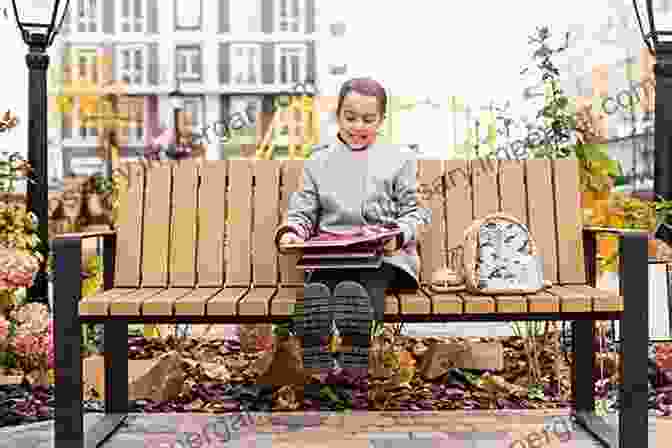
<point>344,188</point>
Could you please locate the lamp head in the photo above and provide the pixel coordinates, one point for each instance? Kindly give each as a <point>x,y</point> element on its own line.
<point>39,21</point>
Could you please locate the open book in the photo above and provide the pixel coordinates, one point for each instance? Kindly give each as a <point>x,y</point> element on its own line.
<point>357,249</point>
<point>364,237</point>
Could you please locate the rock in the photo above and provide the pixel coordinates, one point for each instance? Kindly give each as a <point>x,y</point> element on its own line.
<point>282,366</point>
<point>93,369</point>
<point>163,381</point>
<point>254,336</point>
<point>438,359</point>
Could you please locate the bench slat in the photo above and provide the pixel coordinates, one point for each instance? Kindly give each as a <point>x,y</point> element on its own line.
<point>131,304</point>
<point>266,209</point>
<point>484,181</point>
<point>391,305</point>
<point>602,300</point>
<point>130,225</point>
<point>212,228</point>
<point>445,303</point>
<point>239,243</point>
<point>414,302</point>
<point>193,304</point>
<point>477,304</point>
<point>543,302</point>
<point>224,303</point>
<point>513,189</point>
<point>540,199</point>
<point>458,210</point>
<point>291,180</point>
<point>163,303</point>
<point>97,305</point>
<point>432,238</point>
<point>183,226</point>
<point>285,299</point>
<point>256,302</point>
<point>568,214</point>
<point>156,234</point>
<point>572,301</point>
<point>511,304</point>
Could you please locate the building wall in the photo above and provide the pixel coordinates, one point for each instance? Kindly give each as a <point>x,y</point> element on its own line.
<point>222,25</point>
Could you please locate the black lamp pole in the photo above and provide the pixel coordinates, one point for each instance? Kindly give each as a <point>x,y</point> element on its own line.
<point>37,61</point>
<point>662,177</point>
<point>660,46</point>
<point>177,97</point>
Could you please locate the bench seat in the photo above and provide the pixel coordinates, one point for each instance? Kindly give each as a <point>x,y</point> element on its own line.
<point>275,304</point>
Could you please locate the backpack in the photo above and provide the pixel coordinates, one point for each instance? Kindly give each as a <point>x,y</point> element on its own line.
<point>499,257</point>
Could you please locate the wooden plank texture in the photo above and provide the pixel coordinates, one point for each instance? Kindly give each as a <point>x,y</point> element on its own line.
<point>156,230</point>
<point>571,264</point>
<point>183,235</point>
<point>130,225</point>
<point>212,225</point>
<point>540,204</point>
<point>292,181</point>
<point>239,243</point>
<point>432,249</point>
<point>266,220</point>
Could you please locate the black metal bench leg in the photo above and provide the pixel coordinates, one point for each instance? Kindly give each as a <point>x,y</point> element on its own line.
<point>582,369</point>
<point>633,412</point>
<point>69,394</point>
<point>116,367</point>
<point>633,418</point>
<point>69,418</point>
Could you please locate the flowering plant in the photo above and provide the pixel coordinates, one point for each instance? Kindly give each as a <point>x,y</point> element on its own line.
<point>33,339</point>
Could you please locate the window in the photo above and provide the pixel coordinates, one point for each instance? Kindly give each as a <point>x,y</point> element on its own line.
<point>88,12</point>
<point>85,68</point>
<point>246,64</point>
<point>291,64</point>
<point>132,108</point>
<point>132,65</point>
<point>189,63</point>
<point>290,16</point>
<point>188,14</point>
<point>133,16</point>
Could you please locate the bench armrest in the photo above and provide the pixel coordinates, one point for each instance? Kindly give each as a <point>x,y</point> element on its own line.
<point>590,246</point>
<point>67,249</point>
<point>594,230</point>
<point>85,235</point>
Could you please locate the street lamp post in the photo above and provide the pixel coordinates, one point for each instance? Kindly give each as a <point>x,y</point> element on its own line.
<point>659,42</point>
<point>177,101</point>
<point>39,23</point>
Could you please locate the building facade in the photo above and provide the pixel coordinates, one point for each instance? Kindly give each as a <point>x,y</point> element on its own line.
<point>227,56</point>
<point>611,67</point>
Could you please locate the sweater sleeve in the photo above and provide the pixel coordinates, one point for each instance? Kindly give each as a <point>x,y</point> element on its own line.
<point>303,209</point>
<point>410,214</point>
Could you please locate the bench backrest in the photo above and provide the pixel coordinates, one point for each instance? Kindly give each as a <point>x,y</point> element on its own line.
<point>211,224</point>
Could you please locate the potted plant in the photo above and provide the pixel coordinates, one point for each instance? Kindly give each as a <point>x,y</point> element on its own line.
<point>98,187</point>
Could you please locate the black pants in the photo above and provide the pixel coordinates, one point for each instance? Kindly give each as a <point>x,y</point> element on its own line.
<point>375,281</point>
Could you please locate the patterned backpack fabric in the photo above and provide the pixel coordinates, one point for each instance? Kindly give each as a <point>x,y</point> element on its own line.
<point>500,257</point>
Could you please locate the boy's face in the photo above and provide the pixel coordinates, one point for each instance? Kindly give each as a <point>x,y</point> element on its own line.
<point>359,119</point>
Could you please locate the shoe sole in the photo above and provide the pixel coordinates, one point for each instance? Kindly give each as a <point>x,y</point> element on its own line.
<point>314,316</point>
<point>352,309</point>
<point>313,321</point>
<point>353,317</point>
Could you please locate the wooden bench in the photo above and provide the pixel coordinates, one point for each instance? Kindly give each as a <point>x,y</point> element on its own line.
<point>194,245</point>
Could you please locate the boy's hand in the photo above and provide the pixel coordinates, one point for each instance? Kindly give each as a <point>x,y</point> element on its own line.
<point>290,238</point>
<point>391,247</point>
